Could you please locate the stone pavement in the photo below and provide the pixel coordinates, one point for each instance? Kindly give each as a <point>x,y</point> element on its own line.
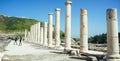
<point>35,52</point>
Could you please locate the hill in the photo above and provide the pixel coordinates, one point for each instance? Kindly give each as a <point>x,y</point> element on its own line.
<point>15,23</point>
<point>10,24</point>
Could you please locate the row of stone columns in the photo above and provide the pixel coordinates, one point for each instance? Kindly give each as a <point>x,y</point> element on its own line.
<point>39,34</point>
<point>44,34</point>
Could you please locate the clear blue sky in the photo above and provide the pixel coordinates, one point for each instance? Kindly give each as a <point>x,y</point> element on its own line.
<point>39,9</point>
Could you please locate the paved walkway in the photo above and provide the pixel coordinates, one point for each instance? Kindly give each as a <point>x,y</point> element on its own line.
<point>37,51</point>
<point>26,48</point>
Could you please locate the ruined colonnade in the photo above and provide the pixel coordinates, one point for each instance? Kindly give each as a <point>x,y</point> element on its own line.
<point>43,35</point>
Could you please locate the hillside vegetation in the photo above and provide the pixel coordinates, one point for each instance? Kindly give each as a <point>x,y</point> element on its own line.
<point>101,38</point>
<point>11,24</point>
<point>15,23</point>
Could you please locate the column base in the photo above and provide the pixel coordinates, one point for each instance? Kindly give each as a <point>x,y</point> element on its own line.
<point>84,51</point>
<point>58,46</point>
<point>50,46</point>
<point>113,58</point>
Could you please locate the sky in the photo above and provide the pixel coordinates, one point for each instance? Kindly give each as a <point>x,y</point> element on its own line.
<point>39,10</point>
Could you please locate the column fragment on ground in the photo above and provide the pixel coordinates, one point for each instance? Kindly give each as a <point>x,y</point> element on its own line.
<point>50,31</point>
<point>112,35</point>
<point>57,27</point>
<point>41,37</point>
<point>45,34</point>
<point>68,25</point>
<point>83,31</point>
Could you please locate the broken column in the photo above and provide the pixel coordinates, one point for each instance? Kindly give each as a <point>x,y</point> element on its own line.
<point>50,35</point>
<point>112,35</point>
<point>41,36</point>
<point>68,25</point>
<point>57,27</point>
<point>83,31</point>
<point>45,34</point>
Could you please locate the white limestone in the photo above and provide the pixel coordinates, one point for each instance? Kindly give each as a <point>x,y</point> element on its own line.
<point>57,27</point>
<point>83,31</point>
<point>112,35</point>
<point>45,34</point>
<point>50,33</point>
<point>68,25</point>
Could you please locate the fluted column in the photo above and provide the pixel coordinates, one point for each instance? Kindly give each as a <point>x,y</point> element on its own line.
<point>112,35</point>
<point>68,25</point>
<point>57,27</point>
<point>50,31</point>
<point>83,31</point>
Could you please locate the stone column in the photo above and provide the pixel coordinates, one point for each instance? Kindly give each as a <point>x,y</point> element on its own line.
<point>41,36</point>
<point>32,33</point>
<point>28,37</point>
<point>39,32</point>
<point>45,34</point>
<point>36,33</point>
<point>50,35</point>
<point>57,27</point>
<point>112,35</point>
<point>68,25</point>
<point>83,31</point>
<point>25,36</point>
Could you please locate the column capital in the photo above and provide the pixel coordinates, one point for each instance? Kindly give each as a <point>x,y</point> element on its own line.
<point>68,2</point>
<point>50,14</point>
<point>109,9</point>
<point>83,11</point>
<point>57,9</point>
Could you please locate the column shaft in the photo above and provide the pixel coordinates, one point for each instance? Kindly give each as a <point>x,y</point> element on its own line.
<point>57,27</point>
<point>112,35</point>
<point>83,31</point>
<point>50,34</point>
<point>25,36</point>
<point>41,42</point>
<point>45,34</point>
<point>68,25</point>
<point>39,32</point>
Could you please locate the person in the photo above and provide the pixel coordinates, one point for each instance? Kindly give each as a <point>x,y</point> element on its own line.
<point>16,38</point>
<point>20,41</point>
